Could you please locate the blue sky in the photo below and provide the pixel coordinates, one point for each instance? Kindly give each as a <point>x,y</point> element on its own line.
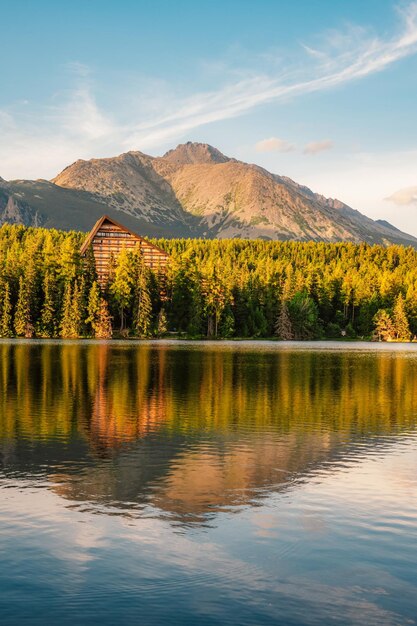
<point>324,92</point>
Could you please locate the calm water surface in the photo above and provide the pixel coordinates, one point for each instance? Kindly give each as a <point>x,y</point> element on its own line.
<point>253,483</point>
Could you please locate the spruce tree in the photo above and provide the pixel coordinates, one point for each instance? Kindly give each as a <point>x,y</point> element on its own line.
<point>77,308</point>
<point>66,320</point>
<point>93,307</point>
<point>71,322</point>
<point>89,268</point>
<point>143,314</point>
<point>384,327</point>
<point>121,288</point>
<point>6,314</point>
<point>47,322</point>
<point>227,323</point>
<point>400,320</point>
<point>162,326</point>
<point>283,326</point>
<point>103,324</point>
<point>22,320</point>
<point>303,315</point>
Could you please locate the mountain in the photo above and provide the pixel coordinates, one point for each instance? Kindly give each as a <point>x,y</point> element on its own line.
<point>42,203</point>
<point>193,190</point>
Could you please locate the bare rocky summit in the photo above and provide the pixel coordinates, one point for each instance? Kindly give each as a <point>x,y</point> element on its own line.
<point>193,190</point>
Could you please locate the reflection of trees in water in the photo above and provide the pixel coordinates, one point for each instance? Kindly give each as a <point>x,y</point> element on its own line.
<point>192,430</point>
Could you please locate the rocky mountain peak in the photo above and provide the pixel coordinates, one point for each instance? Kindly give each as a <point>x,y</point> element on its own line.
<point>193,190</point>
<point>194,153</point>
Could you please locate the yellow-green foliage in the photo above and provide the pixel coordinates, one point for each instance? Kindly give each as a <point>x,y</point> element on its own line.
<point>211,288</point>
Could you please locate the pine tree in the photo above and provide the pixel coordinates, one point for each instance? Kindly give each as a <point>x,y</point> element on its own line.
<point>6,314</point>
<point>89,268</point>
<point>283,326</point>
<point>214,302</point>
<point>162,326</point>
<point>227,323</point>
<point>400,320</point>
<point>99,318</point>
<point>103,324</point>
<point>121,289</point>
<point>47,323</point>
<point>303,315</point>
<point>66,321</point>
<point>93,308</point>
<point>22,320</point>
<point>143,316</point>
<point>384,328</point>
<point>71,322</point>
<point>195,309</point>
<point>83,296</point>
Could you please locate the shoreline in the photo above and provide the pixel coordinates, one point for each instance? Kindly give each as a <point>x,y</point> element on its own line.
<point>262,344</point>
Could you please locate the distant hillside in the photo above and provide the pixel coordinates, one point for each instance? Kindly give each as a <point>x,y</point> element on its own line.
<point>193,190</point>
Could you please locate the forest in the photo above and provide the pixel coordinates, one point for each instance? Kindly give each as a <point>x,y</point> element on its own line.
<point>210,288</point>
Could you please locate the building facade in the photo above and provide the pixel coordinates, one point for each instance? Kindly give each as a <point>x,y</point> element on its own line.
<point>108,238</point>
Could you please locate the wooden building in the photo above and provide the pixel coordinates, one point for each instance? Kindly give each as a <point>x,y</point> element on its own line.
<point>108,238</point>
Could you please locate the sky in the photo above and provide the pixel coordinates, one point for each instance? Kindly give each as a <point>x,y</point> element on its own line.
<point>324,92</point>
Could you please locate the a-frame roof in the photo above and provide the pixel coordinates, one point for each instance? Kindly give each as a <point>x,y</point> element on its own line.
<point>106,218</point>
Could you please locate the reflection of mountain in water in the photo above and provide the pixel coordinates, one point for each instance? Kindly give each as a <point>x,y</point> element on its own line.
<point>191,431</point>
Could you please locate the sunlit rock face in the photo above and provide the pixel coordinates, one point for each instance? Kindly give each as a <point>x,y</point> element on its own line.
<point>194,191</point>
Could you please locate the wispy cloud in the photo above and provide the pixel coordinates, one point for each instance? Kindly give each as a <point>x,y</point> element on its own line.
<point>355,59</point>
<point>274,144</point>
<point>318,146</point>
<point>404,197</point>
<point>78,127</point>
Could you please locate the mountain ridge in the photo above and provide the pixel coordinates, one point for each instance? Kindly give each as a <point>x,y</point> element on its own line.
<point>192,190</point>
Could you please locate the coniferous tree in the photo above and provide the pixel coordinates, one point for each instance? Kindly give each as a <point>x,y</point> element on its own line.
<point>121,288</point>
<point>77,308</point>
<point>195,309</point>
<point>227,323</point>
<point>384,327</point>
<point>89,268</point>
<point>47,322</point>
<point>72,318</point>
<point>400,320</point>
<point>214,302</point>
<point>283,327</point>
<point>162,324</point>
<point>66,320</point>
<point>303,315</point>
<point>22,319</point>
<point>143,313</point>
<point>103,324</point>
<point>344,285</point>
<point>6,314</point>
<point>93,308</point>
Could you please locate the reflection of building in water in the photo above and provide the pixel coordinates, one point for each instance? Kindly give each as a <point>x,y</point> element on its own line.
<point>191,431</point>
<point>123,412</point>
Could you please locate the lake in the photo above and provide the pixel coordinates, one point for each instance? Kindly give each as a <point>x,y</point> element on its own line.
<point>208,483</point>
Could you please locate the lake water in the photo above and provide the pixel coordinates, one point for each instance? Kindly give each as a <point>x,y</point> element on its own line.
<point>208,483</point>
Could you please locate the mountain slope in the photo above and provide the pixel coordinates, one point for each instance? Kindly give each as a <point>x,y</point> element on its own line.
<point>42,203</point>
<point>193,190</point>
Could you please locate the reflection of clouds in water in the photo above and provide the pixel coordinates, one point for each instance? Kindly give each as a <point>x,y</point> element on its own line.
<point>262,478</point>
<point>313,523</point>
<point>207,557</point>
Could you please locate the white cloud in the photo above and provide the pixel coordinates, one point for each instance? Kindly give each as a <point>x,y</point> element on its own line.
<point>404,197</point>
<point>274,144</point>
<point>40,143</point>
<point>318,146</point>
